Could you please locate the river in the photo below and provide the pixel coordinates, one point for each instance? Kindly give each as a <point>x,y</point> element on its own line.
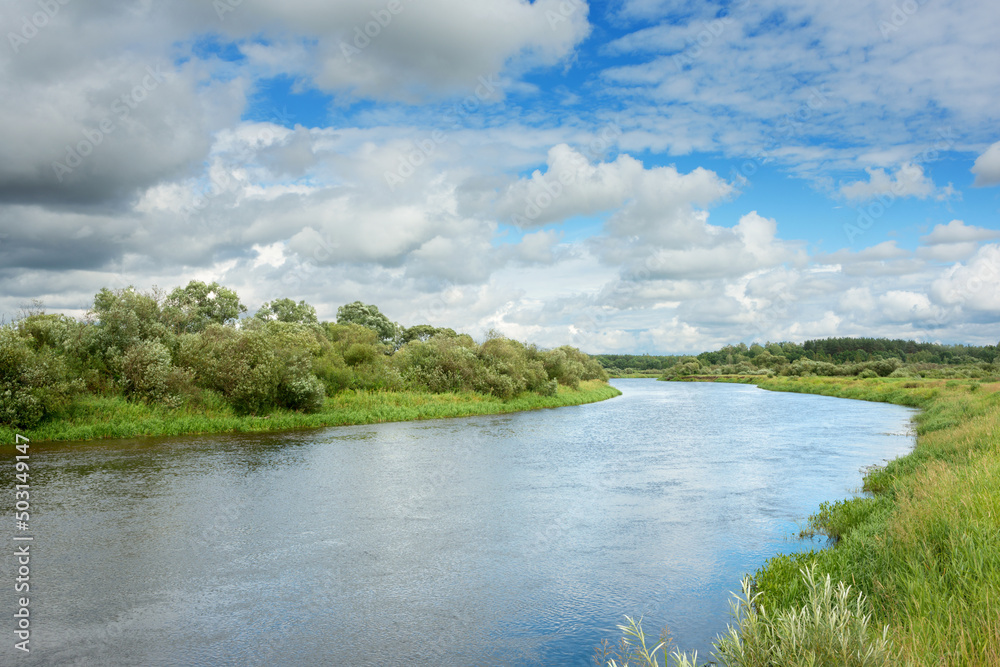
<point>503,540</point>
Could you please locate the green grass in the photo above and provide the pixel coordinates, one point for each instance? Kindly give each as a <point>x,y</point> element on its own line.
<point>92,417</point>
<point>922,552</point>
<point>925,548</point>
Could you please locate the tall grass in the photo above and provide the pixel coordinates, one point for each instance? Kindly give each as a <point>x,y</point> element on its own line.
<point>923,548</point>
<point>92,417</point>
<point>833,628</point>
<point>926,546</point>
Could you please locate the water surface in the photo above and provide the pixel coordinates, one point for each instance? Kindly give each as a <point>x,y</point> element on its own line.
<point>503,540</point>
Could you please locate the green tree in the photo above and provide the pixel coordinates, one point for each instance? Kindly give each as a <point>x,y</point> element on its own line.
<point>121,319</point>
<point>369,316</point>
<point>145,371</point>
<point>32,383</point>
<point>424,332</point>
<point>191,309</point>
<point>286,310</point>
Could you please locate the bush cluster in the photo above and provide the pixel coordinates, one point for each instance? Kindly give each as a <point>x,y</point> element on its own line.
<point>189,347</point>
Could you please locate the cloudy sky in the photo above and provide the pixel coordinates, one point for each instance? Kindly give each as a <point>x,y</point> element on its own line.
<point>627,176</point>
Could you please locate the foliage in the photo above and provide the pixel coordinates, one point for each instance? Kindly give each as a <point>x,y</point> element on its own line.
<point>830,357</point>
<point>193,308</point>
<point>92,416</point>
<point>286,310</point>
<point>424,332</point>
<point>833,627</point>
<point>370,317</point>
<point>33,383</point>
<point>632,650</point>
<point>185,350</point>
<point>145,370</point>
<point>122,319</point>
<point>923,549</point>
<point>237,364</point>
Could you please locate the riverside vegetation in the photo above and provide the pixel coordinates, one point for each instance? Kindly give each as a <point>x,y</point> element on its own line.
<point>157,363</point>
<point>916,560</point>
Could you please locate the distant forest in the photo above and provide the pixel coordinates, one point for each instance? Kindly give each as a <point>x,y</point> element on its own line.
<point>830,356</point>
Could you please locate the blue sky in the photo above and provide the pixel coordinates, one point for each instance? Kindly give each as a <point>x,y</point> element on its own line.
<point>637,175</point>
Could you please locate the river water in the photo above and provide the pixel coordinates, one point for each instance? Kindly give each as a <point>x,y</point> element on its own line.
<point>505,540</point>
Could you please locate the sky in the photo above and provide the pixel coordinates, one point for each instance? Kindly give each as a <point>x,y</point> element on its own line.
<point>632,176</point>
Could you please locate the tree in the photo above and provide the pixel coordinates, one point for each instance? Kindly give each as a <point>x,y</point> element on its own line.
<point>424,332</point>
<point>124,318</point>
<point>32,383</point>
<point>368,316</point>
<point>191,309</point>
<point>286,310</point>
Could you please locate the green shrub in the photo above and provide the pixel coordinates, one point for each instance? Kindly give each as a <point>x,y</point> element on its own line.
<point>145,371</point>
<point>33,383</point>
<point>299,389</point>
<point>238,364</point>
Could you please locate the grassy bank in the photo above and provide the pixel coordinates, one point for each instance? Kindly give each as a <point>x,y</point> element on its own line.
<point>924,547</point>
<point>93,417</point>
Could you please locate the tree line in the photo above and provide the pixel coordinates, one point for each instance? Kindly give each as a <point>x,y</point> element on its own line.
<point>194,346</point>
<point>830,356</point>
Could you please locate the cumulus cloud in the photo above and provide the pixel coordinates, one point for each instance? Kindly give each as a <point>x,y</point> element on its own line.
<point>972,285</point>
<point>987,167</point>
<point>909,180</point>
<point>661,200</point>
<point>902,306</point>
<point>954,241</point>
<point>403,50</point>
<point>608,253</point>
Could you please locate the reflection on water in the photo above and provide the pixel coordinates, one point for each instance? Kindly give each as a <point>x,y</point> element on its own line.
<point>506,540</point>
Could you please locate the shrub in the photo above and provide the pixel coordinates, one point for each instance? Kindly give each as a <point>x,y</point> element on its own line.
<point>119,320</point>
<point>145,371</point>
<point>237,364</point>
<point>299,389</point>
<point>33,383</point>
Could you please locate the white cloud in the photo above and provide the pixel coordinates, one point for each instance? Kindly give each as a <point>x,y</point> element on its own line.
<point>909,180</point>
<point>957,231</point>
<point>954,241</point>
<point>903,306</point>
<point>404,50</point>
<point>972,285</point>
<point>987,167</point>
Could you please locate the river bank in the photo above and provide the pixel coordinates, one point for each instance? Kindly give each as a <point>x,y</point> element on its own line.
<point>94,417</point>
<point>924,545</point>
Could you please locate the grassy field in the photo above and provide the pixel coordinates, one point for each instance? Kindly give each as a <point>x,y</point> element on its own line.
<point>924,546</point>
<point>92,417</point>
